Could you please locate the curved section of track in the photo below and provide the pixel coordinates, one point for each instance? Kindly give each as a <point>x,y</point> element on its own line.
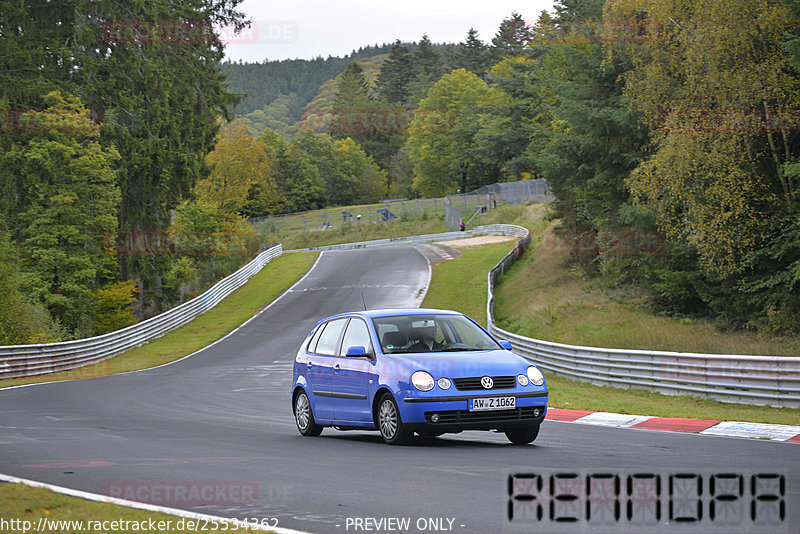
<point>222,418</point>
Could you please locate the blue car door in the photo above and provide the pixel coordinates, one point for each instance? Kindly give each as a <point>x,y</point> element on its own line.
<point>351,376</point>
<point>319,367</point>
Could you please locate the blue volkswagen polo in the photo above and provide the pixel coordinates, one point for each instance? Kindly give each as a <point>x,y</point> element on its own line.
<point>401,371</point>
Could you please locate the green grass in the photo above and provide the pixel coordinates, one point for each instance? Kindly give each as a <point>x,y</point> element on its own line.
<point>299,222</point>
<point>542,297</point>
<point>363,232</point>
<point>275,278</point>
<point>23,503</point>
<point>461,284</point>
<point>303,230</point>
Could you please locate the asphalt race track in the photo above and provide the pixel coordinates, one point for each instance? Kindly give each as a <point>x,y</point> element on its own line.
<point>222,419</point>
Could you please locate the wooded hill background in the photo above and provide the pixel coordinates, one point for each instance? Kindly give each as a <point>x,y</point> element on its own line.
<point>131,154</point>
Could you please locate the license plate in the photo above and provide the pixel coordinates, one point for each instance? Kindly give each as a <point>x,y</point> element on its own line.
<point>492,403</point>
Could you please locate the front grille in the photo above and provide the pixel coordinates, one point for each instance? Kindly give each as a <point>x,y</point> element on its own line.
<point>474,383</point>
<point>495,416</point>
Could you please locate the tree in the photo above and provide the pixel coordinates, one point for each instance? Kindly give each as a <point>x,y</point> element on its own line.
<point>340,186</point>
<point>428,69</point>
<point>21,321</point>
<point>400,175</point>
<point>471,55</point>
<point>375,125</point>
<point>717,104</point>
<point>115,306</point>
<point>241,174</point>
<point>511,38</point>
<point>72,211</point>
<point>442,136</point>
<point>511,132</point>
<point>350,109</point>
<point>397,72</point>
<point>370,180</point>
<point>295,175</point>
<point>161,107</point>
<point>714,83</point>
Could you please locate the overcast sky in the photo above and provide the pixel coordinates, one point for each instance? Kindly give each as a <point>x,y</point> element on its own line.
<point>309,28</point>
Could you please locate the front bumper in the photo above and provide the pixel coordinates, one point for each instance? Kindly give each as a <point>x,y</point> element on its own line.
<point>452,413</point>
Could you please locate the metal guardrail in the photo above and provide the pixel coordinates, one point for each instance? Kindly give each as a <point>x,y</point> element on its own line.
<point>759,380</point>
<point>31,360</point>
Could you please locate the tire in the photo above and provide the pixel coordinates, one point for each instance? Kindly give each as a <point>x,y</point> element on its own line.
<point>391,426</point>
<point>522,436</point>
<point>304,417</point>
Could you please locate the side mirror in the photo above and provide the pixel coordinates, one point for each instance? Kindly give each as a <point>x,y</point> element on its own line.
<point>505,344</point>
<point>356,351</point>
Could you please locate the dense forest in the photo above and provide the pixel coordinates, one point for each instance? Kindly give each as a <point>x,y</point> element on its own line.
<point>127,179</point>
<point>259,84</point>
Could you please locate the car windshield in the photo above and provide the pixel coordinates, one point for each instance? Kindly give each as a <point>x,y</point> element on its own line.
<point>431,333</point>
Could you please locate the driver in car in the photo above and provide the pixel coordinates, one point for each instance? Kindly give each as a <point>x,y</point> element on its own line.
<point>427,341</point>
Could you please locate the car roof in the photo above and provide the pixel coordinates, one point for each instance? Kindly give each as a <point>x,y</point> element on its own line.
<point>390,312</point>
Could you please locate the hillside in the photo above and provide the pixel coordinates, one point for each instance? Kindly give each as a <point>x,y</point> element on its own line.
<point>263,83</point>
<point>296,94</point>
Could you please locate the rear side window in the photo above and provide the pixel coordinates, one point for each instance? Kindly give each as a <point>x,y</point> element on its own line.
<point>329,338</point>
<point>312,345</point>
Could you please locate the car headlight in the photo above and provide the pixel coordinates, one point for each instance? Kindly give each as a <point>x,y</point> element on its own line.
<point>422,381</point>
<point>444,383</point>
<point>523,380</point>
<point>535,376</point>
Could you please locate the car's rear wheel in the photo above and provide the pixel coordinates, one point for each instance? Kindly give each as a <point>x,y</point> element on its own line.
<point>390,424</point>
<point>304,416</point>
<point>522,436</point>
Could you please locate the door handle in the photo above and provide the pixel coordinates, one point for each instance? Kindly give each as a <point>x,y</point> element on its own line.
<point>336,368</point>
<point>309,364</point>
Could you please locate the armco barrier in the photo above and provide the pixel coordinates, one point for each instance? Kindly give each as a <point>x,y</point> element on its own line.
<point>761,380</point>
<point>30,360</point>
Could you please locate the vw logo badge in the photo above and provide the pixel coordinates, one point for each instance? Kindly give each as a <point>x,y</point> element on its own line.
<point>487,382</point>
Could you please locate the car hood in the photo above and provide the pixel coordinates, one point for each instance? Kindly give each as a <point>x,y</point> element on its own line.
<point>463,364</point>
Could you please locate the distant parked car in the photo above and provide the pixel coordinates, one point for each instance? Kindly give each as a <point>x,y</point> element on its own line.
<point>401,371</point>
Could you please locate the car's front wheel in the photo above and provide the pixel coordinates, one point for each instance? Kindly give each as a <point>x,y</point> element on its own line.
<point>522,436</point>
<point>304,416</point>
<point>389,422</point>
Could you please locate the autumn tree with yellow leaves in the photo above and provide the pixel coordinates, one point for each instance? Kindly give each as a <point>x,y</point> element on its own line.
<point>719,88</point>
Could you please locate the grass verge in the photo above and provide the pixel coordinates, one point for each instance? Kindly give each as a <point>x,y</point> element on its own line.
<point>21,504</point>
<point>363,231</point>
<point>542,297</point>
<point>541,278</point>
<point>461,284</point>
<point>25,503</point>
<point>275,278</point>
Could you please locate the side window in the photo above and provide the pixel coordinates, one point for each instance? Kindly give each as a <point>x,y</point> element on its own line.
<point>357,334</point>
<point>312,345</point>
<point>329,339</point>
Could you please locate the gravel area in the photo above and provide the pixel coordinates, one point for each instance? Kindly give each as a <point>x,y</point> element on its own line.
<point>477,240</point>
